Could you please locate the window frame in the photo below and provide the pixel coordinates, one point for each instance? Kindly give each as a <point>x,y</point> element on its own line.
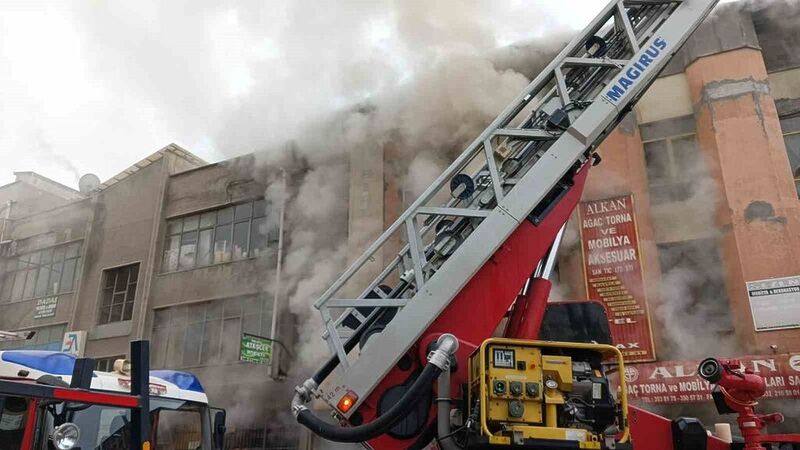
<point>673,180</point>
<point>102,289</point>
<point>795,173</point>
<point>30,272</point>
<point>173,232</point>
<point>175,332</point>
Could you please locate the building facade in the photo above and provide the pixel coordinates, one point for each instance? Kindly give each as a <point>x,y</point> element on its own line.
<point>188,254</point>
<point>173,250</point>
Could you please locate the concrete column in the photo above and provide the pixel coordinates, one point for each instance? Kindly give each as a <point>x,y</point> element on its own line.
<point>739,134</point>
<point>365,221</point>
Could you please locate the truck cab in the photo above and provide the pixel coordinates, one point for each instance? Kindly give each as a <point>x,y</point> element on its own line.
<point>41,408</point>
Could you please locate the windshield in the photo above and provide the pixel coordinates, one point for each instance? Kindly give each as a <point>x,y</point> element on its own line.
<point>13,417</point>
<point>175,424</point>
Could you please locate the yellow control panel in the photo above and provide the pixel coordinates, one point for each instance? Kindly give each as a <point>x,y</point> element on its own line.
<point>544,392</point>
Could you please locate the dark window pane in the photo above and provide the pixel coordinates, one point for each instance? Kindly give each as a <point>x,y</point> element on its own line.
<point>222,244</point>
<point>258,237</point>
<point>127,311</point>
<point>118,299</point>
<point>108,295</point>
<point>58,253</point>
<point>105,312</point>
<point>19,285</point>
<point>68,276</point>
<point>657,160</point>
<point>30,282</point>
<point>170,261</point>
<point>214,310</point>
<point>233,307</point>
<point>133,275</point>
<point>175,346</point>
<point>188,250</point>
<point>174,226</point>
<point>252,305</point>
<point>158,345</point>
<point>231,337</point>
<point>243,211</point>
<point>260,208</point>
<point>191,346</point>
<point>179,316</point>
<point>252,324</point>
<point>41,281</point>
<point>224,216</point>
<point>8,284</point>
<point>684,151</point>
<point>54,286</point>
<point>208,219</point>
<point>273,228</point>
<point>211,341</point>
<point>131,294</point>
<point>47,256</point>
<point>121,279</point>
<point>241,233</point>
<point>204,253</point>
<point>197,313</point>
<point>116,313</point>
<point>190,223</point>
<point>111,277</point>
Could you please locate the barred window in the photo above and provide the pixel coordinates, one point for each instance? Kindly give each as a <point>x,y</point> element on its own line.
<point>209,332</point>
<point>119,292</point>
<point>50,271</point>
<point>214,237</point>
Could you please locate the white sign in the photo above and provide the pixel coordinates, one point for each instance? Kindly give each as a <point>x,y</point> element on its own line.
<point>45,307</point>
<point>74,343</point>
<point>775,303</point>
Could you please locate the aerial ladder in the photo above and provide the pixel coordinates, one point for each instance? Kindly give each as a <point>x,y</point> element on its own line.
<point>487,229</point>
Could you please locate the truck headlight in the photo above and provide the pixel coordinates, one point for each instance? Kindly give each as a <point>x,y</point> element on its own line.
<point>66,436</point>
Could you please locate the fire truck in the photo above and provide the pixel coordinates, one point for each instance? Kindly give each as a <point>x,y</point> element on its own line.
<point>54,401</point>
<point>453,340</point>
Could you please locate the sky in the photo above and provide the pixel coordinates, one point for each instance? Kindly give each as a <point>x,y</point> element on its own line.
<point>93,87</point>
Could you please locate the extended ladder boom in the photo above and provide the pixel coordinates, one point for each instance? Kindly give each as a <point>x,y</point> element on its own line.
<point>513,175</point>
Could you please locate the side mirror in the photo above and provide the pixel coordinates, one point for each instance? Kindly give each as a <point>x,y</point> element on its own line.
<point>219,429</point>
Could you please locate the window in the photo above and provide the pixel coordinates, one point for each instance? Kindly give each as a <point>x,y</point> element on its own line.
<point>671,164</point>
<point>119,291</point>
<point>106,364</point>
<point>792,141</point>
<point>209,332</point>
<point>50,271</point>
<point>228,234</point>
<point>46,338</point>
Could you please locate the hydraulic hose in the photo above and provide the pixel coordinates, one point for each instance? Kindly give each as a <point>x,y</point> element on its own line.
<point>437,360</point>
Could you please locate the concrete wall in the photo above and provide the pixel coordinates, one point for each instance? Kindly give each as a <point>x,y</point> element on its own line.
<point>126,215</point>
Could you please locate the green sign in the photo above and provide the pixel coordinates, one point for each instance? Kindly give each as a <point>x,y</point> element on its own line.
<point>255,349</point>
<point>45,307</point>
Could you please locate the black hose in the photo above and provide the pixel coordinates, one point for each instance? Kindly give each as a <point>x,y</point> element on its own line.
<point>381,424</point>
